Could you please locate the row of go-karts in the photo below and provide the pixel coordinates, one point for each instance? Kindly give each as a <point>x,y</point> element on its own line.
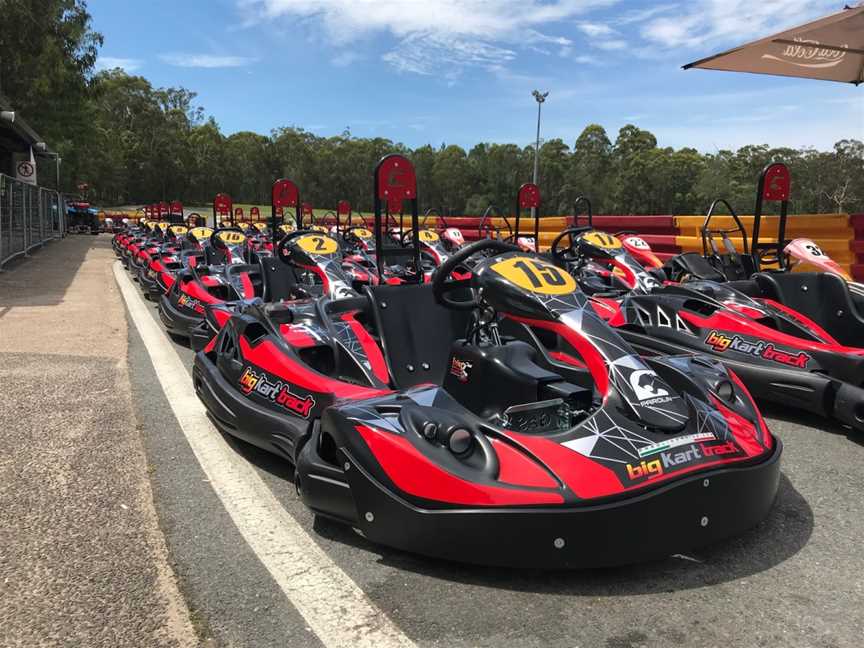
<point>487,403</point>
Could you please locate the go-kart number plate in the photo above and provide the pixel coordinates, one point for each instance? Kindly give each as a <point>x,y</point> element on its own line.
<point>317,244</point>
<point>362,233</point>
<point>232,238</point>
<point>260,226</point>
<point>179,229</point>
<point>602,240</point>
<point>535,276</point>
<point>164,226</point>
<point>318,228</point>
<point>201,232</point>
<point>287,228</point>
<point>637,243</point>
<point>428,236</point>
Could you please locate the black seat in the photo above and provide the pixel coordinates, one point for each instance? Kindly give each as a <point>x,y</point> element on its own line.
<point>233,272</point>
<point>694,265</point>
<point>416,332</point>
<point>823,297</point>
<point>215,256</point>
<point>279,279</point>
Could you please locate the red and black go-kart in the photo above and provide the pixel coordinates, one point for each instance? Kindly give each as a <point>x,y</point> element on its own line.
<point>781,355</point>
<point>383,403</point>
<point>224,275</point>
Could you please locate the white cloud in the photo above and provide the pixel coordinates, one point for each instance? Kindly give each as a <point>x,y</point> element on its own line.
<point>346,58</point>
<point>442,37</point>
<point>595,29</point>
<point>205,60</point>
<point>709,22</point>
<point>111,62</point>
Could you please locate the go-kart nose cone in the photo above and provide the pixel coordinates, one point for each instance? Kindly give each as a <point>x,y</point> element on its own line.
<point>651,400</point>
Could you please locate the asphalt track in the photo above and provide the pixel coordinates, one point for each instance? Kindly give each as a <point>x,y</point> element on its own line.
<point>255,568</point>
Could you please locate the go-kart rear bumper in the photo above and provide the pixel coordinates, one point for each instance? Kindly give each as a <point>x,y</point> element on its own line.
<point>694,511</point>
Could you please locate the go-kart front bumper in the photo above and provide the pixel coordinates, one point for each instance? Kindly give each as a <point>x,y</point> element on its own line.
<point>691,512</point>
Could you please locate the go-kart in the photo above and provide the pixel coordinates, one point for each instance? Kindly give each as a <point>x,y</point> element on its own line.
<point>782,355</point>
<point>224,275</point>
<point>410,417</point>
<point>763,269</point>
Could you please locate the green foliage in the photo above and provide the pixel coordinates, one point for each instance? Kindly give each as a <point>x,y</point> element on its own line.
<point>133,143</point>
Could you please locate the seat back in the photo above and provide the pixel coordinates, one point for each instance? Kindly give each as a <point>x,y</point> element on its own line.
<point>279,279</point>
<point>821,296</point>
<point>416,332</point>
<point>694,265</point>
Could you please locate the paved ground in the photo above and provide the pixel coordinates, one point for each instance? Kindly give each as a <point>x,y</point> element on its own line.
<point>82,560</point>
<point>795,579</point>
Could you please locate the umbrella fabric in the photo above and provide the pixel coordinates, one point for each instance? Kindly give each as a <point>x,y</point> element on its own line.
<point>831,48</point>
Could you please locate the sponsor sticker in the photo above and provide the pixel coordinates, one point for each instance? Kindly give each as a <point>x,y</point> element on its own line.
<point>278,392</point>
<point>460,369</point>
<point>668,444</point>
<point>721,343</point>
<point>670,460</point>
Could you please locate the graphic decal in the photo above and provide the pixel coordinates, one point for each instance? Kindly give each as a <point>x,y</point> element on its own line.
<point>278,392</point>
<point>721,343</point>
<point>191,303</point>
<point>460,369</point>
<point>674,459</point>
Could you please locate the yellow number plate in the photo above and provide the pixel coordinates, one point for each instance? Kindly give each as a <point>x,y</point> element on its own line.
<point>602,240</point>
<point>163,226</point>
<point>201,233</point>
<point>362,233</point>
<point>318,228</point>
<point>428,236</point>
<point>535,275</point>
<point>260,226</point>
<point>314,244</point>
<point>179,230</point>
<point>232,238</point>
<point>287,228</point>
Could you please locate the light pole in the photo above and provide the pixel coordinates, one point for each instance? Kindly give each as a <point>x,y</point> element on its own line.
<point>540,97</point>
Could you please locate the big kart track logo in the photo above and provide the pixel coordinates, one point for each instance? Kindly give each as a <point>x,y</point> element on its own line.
<point>765,350</point>
<point>460,369</point>
<point>672,460</point>
<point>191,303</point>
<point>277,392</point>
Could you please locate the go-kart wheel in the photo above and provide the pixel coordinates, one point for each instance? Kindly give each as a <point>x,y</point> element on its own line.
<point>440,285</point>
<point>568,255</point>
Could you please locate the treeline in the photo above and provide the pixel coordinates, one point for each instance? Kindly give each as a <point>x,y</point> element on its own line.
<point>133,143</point>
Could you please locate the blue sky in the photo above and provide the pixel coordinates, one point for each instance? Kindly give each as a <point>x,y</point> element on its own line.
<point>462,71</point>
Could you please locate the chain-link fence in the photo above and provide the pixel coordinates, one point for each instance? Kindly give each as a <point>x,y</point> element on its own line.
<point>29,217</point>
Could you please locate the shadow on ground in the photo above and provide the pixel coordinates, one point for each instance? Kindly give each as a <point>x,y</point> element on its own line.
<point>29,281</point>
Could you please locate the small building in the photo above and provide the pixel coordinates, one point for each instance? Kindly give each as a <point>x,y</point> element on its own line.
<point>17,138</point>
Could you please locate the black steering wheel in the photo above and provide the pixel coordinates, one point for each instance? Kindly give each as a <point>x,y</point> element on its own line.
<point>568,255</point>
<point>281,247</point>
<point>441,287</point>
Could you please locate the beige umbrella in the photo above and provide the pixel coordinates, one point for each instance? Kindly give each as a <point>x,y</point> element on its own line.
<point>831,48</point>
